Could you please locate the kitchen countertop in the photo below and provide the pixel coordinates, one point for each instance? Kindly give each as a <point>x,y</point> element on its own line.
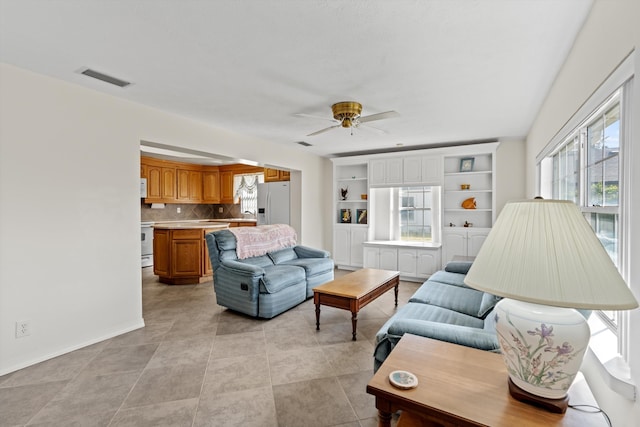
<point>190,225</point>
<point>232,220</point>
<point>218,223</point>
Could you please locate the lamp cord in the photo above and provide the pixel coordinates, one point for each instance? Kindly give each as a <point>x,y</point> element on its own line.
<point>592,410</point>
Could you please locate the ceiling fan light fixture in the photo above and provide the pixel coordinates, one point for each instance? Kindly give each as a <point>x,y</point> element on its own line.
<point>346,112</point>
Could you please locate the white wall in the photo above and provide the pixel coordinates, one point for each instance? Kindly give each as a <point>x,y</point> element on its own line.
<point>70,214</point>
<point>610,33</point>
<point>510,176</point>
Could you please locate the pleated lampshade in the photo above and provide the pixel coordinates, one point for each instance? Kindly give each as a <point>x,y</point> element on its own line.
<point>545,252</point>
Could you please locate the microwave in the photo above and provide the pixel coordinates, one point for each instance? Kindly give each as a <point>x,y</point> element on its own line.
<point>143,188</point>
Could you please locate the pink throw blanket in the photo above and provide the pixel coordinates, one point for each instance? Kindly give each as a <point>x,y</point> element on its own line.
<point>259,240</point>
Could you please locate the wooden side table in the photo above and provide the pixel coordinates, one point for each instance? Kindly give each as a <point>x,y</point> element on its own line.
<point>463,386</point>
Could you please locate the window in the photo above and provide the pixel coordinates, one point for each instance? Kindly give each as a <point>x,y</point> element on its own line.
<point>415,213</point>
<point>585,168</point>
<point>246,190</point>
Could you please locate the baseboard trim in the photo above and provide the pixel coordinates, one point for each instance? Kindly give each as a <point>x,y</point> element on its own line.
<point>137,325</point>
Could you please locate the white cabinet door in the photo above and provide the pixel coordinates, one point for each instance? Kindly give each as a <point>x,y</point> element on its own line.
<point>431,170</point>
<point>393,171</point>
<point>358,237</point>
<point>427,262</point>
<point>385,171</point>
<point>407,262</point>
<point>377,174</point>
<point>388,258</point>
<point>412,170</point>
<point>371,257</point>
<point>425,170</point>
<point>454,242</point>
<point>475,240</point>
<point>341,246</point>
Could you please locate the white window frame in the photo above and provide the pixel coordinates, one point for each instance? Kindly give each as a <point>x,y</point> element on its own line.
<point>620,79</point>
<point>421,189</point>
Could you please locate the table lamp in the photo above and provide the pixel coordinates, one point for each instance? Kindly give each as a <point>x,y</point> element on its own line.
<point>543,257</point>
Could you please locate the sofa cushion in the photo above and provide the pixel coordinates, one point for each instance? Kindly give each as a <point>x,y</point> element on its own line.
<point>225,240</point>
<point>258,261</point>
<point>282,255</point>
<point>488,302</point>
<point>449,278</point>
<point>419,311</point>
<point>459,299</point>
<point>461,267</point>
<point>312,266</point>
<point>278,277</point>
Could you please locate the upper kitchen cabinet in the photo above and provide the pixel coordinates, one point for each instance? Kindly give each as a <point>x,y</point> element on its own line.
<point>226,187</point>
<point>211,185</point>
<point>161,180</point>
<point>274,175</point>
<point>189,185</point>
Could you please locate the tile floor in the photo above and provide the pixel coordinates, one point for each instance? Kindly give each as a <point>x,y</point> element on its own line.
<point>198,364</point>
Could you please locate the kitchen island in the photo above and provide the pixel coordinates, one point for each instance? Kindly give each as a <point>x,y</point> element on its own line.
<point>180,255</point>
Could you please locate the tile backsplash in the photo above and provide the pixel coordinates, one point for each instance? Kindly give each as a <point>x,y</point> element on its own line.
<point>188,212</point>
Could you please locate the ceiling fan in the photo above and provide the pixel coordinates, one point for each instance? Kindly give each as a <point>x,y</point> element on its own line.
<point>347,114</point>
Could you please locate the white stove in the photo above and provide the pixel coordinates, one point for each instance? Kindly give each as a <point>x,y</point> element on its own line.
<point>147,243</point>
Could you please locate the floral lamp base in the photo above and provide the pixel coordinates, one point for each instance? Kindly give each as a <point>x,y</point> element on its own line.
<point>542,347</point>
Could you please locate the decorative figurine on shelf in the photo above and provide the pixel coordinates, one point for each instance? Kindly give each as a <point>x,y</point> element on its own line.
<point>343,193</point>
<point>467,224</point>
<point>469,203</point>
<point>451,224</point>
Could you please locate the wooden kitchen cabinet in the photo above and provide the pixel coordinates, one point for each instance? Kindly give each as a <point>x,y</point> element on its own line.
<point>176,182</point>
<point>161,259</point>
<point>180,256</point>
<point>189,187</point>
<point>226,187</point>
<point>185,258</point>
<point>161,184</point>
<point>161,180</point>
<point>211,186</point>
<point>273,175</point>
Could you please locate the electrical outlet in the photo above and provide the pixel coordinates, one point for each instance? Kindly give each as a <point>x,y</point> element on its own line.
<point>23,328</point>
<point>220,210</point>
<point>179,210</point>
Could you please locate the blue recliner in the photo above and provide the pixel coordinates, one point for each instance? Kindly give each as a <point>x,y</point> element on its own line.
<point>265,286</point>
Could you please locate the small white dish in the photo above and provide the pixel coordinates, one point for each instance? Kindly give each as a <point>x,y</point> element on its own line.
<point>403,380</point>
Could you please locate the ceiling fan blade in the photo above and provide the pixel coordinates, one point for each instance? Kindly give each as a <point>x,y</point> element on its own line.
<point>378,116</point>
<point>323,130</point>
<point>369,127</point>
<point>309,116</point>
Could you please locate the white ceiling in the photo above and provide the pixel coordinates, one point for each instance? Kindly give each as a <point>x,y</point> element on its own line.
<point>455,70</point>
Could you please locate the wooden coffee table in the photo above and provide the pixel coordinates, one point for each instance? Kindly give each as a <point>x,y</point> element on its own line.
<point>462,386</point>
<point>355,290</point>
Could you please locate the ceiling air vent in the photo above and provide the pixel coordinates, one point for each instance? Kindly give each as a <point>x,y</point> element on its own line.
<point>304,144</point>
<point>105,78</point>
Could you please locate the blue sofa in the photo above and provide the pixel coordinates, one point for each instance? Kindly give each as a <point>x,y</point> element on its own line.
<point>265,286</point>
<point>443,308</point>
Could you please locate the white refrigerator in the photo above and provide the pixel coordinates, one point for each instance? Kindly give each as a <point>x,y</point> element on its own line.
<point>273,203</point>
